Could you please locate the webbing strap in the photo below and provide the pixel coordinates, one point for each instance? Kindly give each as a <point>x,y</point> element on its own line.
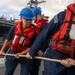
<point>67,36</point>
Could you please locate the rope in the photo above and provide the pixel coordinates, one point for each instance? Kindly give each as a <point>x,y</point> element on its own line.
<point>5,55</point>
<point>42,58</point>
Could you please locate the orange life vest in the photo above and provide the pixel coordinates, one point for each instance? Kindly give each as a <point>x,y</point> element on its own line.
<point>21,39</point>
<point>64,39</point>
<point>40,22</point>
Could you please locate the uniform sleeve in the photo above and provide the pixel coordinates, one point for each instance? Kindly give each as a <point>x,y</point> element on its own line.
<point>53,26</point>
<point>10,34</point>
<point>43,26</point>
<point>45,46</point>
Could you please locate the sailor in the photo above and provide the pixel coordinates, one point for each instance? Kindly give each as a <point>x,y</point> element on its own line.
<point>41,23</point>
<point>62,28</point>
<point>20,38</point>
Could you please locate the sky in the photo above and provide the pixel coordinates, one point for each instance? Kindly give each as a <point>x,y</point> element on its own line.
<point>12,8</point>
